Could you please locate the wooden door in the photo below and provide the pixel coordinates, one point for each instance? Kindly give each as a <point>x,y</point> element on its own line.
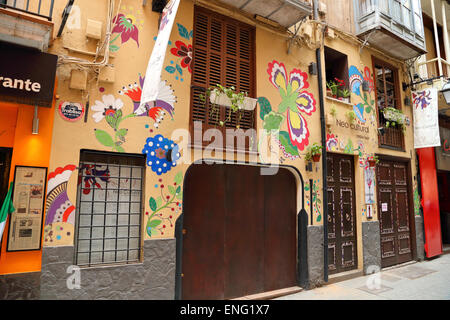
<point>394,212</point>
<point>240,232</point>
<point>342,248</point>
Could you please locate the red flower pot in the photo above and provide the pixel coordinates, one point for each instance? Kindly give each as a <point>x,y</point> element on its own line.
<point>372,163</point>
<point>316,157</point>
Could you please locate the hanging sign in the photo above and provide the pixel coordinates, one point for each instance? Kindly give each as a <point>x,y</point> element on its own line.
<point>71,111</point>
<point>27,76</point>
<point>152,78</point>
<point>426,120</point>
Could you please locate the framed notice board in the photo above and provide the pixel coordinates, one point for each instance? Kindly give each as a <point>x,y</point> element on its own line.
<point>25,223</point>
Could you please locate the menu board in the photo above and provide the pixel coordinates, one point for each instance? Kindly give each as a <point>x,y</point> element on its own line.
<point>25,224</point>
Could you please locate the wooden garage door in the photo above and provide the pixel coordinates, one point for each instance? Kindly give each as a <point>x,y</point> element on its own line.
<point>394,212</point>
<point>342,249</point>
<point>239,232</point>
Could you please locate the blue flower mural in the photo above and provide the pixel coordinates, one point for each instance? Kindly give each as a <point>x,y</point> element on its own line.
<point>162,154</point>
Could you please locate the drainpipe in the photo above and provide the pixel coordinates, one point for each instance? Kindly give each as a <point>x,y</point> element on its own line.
<point>324,151</point>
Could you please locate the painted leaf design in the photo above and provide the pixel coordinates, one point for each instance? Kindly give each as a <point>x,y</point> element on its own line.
<point>180,71</point>
<point>104,138</point>
<point>153,223</point>
<point>265,107</point>
<point>180,196</point>
<point>120,149</point>
<point>178,189</point>
<point>122,132</point>
<point>170,69</point>
<point>319,217</point>
<point>285,141</point>
<point>152,204</point>
<point>113,48</point>
<point>178,178</point>
<point>191,34</point>
<point>111,121</point>
<point>183,31</point>
<point>171,190</point>
<point>158,202</point>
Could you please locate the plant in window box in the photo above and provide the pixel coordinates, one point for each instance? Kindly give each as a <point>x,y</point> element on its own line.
<point>394,118</point>
<point>372,161</point>
<point>313,153</point>
<point>345,94</point>
<point>332,89</point>
<point>227,97</point>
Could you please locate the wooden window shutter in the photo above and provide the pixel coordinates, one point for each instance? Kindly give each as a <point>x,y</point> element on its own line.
<point>224,51</point>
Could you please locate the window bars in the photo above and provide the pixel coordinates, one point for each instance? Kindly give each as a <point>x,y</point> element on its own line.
<point>109,205</point>
<point>39,8</point>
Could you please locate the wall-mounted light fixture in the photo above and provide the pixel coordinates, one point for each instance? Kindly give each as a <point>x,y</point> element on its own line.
<point>312,68</point>
<point>446,92</point>
<point>35,129</point>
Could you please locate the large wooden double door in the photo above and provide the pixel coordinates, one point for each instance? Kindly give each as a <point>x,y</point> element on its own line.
<point>239,232</point>
<point>342,248</point>
<point>394,212</point>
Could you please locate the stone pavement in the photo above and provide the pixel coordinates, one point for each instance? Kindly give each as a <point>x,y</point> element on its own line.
<point>427,280</point>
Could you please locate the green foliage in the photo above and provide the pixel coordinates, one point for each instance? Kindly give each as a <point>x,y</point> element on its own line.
<point>314,149</point>
<point>272,121</point>
<point>351,116</point>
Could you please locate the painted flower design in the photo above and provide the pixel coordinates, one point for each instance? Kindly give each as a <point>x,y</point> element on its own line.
<point>108,106</point>
<point>162,154</point>
<point>126,26</point>
<point>332,143</point>
<point>185,52</point>
<point>295,101</point>
<point>164,102</point>
<point>422,99</point>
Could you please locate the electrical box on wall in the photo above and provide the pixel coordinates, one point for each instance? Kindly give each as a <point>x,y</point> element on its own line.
<point>78,80</point>
<point>94,29</point>
<point>107,74</point>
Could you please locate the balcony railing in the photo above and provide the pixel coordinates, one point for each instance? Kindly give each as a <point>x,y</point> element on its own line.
<point>39,8</point>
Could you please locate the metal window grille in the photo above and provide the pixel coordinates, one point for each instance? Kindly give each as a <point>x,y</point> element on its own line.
<point>109,210</point>
<point>39,8</point>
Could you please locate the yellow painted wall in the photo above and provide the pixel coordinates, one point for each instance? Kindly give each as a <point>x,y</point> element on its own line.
<point>130,60</point>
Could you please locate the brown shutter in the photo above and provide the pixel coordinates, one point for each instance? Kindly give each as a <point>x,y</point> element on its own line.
<point>224,52</point>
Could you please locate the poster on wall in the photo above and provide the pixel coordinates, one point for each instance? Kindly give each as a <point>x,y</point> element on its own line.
<point>426,120</point>
<point>153,74</point>
<point>25,224</point>
<point>369,185</point>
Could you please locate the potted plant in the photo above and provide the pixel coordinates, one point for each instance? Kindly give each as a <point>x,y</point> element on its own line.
<point>333,88</point>
<point>227,97</point>
<point>313,153</point>
<point>394,117</point>
<point>345,93</point>
<point>351,116</point>
<point>372,160</point>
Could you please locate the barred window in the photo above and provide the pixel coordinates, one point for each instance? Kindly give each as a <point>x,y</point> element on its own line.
<point>109,208</point>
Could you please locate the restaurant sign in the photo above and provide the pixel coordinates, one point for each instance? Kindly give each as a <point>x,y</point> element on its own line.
<point>26,76</point>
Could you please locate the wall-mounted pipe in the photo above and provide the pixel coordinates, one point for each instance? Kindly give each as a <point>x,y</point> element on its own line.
<point>324,151</point>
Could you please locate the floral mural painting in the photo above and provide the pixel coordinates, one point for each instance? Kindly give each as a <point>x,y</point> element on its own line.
<point>356,80</point>
<point>295,102</point>
<point>126,28</point>
<point>164,103</point>
<point>315,201</point>
<point>58,207</point>
<point>93,175</point>
<point>332,143</point>
<point>60,212</point>
<point>162,154</point>
<point>183,50</point>
<point>165,206</point>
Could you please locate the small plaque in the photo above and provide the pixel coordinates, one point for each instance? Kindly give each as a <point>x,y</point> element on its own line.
<point>71,111</point>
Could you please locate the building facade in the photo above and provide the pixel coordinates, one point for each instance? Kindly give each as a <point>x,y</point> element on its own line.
<point>187,198</point>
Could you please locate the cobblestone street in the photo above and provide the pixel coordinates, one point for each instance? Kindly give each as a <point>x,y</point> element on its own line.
<point>427,280</point>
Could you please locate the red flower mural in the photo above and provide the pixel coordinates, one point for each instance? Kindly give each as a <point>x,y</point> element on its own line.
<point>185,52</point>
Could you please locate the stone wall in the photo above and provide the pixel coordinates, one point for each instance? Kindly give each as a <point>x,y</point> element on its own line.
<point>20,286</point>
<point>154,278</point>
<point>371,247</point>
<point>315,256</point>
<point>419,238</point>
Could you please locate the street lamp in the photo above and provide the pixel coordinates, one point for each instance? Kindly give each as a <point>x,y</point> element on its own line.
<point>446,92</point>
